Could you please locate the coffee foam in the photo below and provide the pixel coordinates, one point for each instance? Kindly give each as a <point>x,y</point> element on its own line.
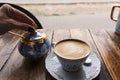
<point>72,49</point>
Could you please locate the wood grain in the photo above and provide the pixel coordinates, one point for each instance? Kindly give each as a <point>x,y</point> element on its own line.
<point>109,51</point>
<point>104,43</point>
<point>20,68</point>
<point>60,35</point>
<point>7,45</point>
<point>86,36</point>
<point>116,40</point>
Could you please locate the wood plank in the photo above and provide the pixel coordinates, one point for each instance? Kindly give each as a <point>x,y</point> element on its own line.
<point>8,43</point>
<point>109,52</point>
<point>20,68</point>
<point>57,36</point>
<point>86,36</point>
<point>60,35</point>
<point>115,38</point>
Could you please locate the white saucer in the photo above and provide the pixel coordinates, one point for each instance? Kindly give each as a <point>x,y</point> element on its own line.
<point>88,72</point>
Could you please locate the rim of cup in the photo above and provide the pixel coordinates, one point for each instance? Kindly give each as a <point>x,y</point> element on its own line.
<point>87,54</point>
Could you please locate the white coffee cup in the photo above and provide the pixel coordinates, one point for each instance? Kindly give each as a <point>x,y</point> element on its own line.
<point>72,53</point>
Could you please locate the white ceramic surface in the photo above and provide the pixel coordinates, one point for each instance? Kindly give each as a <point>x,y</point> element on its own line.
<point>87,72</point>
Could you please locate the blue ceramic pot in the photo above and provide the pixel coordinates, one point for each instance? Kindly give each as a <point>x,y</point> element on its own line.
<point>34,45</point>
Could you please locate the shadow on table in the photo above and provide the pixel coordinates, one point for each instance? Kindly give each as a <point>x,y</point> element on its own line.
<point>30,69</point>
<point>49,77</point>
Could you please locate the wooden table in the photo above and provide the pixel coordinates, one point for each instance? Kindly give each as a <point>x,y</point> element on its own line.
<point>104,43</point>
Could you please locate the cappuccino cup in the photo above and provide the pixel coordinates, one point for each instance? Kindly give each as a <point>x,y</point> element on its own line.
<point>72,53</point>
<point>116,18</point>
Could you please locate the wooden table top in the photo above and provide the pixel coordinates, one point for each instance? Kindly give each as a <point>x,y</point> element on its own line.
<point>105,43</point>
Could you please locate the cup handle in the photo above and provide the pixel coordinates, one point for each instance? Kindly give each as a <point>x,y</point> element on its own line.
<point>53,44</point>
<point>112,13</point>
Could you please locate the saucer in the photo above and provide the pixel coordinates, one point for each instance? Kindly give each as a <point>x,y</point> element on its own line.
<point>87,72</point>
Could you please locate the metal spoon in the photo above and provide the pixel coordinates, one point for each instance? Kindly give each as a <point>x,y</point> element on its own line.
<point>31,30</point>
<point>88,62</point>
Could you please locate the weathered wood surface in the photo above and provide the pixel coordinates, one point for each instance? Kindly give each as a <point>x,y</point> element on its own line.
<point>103,42</point>
<point>19,68</point>
<point>7,45</point>
<point>109,50</point>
